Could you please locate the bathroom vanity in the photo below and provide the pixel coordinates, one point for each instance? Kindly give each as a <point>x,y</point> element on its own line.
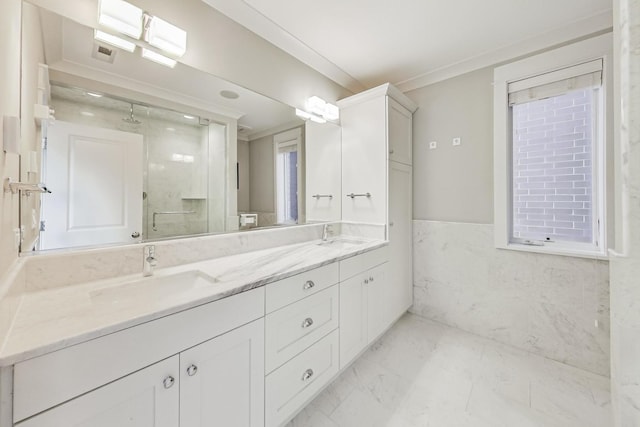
<point>199,344</point>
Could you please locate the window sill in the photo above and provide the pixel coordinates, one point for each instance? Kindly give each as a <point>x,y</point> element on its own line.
<point>570,252</point>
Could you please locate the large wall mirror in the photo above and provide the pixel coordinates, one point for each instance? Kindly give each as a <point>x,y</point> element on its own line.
<point>139,151</point>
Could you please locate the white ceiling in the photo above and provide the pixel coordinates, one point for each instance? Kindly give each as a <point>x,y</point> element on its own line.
<point>363,43</point>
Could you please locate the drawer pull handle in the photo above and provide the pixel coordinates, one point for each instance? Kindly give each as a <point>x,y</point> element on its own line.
<point>366,281</point>
<point>168,382</point>
<point>307,375</point>
<point>308,285</point>
<point>307,322</point>
<point>371,279</point>
<point>192,370</point>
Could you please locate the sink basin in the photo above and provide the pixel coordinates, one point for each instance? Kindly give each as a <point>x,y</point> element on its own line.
<point>150,287</point>
<point>342,242</point>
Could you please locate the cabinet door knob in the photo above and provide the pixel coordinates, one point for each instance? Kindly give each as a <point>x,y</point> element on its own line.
<point>191,370</point>
<point>366,281</point>
<point>307,322</point>
<point>308,285</point>
<point>135,234</point>
<point>307,374</point>
<point>168,382</point>
<point>390,151</point>
<point>371,279</point>
<point>391,224</point>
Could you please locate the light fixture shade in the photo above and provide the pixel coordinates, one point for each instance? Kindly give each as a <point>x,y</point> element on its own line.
<point>121,16</point>
<point>331,112</point>
<point>156,57</point>
<point>166,36</point>
<point>114,41</point>
<point>315,105</point>
<point>317,119</point>
<point>302,114</point>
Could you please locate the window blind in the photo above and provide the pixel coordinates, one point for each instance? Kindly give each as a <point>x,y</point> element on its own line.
<point>555,83</point>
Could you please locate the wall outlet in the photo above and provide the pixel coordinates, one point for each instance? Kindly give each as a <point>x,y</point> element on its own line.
<point>456,141</point>
<point>433,145</point>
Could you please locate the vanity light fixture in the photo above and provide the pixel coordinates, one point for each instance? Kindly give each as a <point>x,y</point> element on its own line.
<point>188,117</point>
<point>317,119</point>
<point>165,36</point>
<point>95,95</point>
<point>156,57</point>
<point>114,41</point>
<point>121,16</point>
<point>318,107</point>
<point>315,105</point>
<point>302,114</point>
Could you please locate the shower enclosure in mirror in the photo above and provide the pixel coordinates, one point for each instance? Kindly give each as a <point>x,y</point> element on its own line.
<point>120,171</point>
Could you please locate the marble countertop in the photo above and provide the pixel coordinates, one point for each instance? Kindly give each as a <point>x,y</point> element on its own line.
<point>52,319</point>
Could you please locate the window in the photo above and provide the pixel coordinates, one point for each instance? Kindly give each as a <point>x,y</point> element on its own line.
<point>549,151</point>
<point>287,148</point>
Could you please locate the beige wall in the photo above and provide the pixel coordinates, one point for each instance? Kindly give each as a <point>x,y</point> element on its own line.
<point>243,162</point>
<point>261,184</point>
<point>9,106</point>
<point>454,183</point>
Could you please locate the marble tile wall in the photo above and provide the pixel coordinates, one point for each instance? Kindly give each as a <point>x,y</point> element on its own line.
<point>625,270</point>
<point>540,303</point>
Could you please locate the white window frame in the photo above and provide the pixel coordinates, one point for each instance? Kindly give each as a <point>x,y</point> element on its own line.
<point>600,47</point>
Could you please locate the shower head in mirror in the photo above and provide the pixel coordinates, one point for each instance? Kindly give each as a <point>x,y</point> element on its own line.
<point>130,118</point>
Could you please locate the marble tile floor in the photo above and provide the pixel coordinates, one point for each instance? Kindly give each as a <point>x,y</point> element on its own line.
<point>426,374</point>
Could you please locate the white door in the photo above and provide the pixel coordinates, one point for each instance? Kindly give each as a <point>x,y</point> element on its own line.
<point>222,380</point>
<point>353,318</point>
<point>400,235</point>
<point>400,139</point>
<point>381,294</point>
<point>95,178</point>
<point>147,398</point>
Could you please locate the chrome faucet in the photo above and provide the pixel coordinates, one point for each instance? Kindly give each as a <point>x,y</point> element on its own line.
<point>150,260</point>
<point>326,229</point>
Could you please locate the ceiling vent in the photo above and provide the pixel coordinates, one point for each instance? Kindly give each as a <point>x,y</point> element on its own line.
<point>103,53</point>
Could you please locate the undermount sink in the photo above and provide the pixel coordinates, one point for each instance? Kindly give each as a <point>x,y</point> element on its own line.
<point>154,285</point>
<point>342,242</point>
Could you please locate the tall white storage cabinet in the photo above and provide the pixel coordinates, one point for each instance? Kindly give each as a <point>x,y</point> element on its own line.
<point>377,177</point>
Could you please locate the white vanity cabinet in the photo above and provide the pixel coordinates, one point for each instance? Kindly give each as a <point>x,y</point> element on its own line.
<point>377,159</point>
<point>148,397</point>
<point>365,314</point>
<point>167,372</point>
<point>222,380</point>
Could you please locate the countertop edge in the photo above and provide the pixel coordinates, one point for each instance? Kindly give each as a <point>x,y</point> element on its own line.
<point>17,357</point>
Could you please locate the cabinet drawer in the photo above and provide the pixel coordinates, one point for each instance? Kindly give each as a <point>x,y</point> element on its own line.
<point>359,263</point>
<point>288,388</point>
<point>292,289</point>
<point>45,381</point>
<point>295,327</point>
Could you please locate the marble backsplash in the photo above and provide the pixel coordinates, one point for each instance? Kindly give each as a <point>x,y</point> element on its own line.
<point>545,304</point>
<point>57,269</point>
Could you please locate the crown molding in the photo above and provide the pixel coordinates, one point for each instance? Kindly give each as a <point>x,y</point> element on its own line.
<point>594,24</point>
